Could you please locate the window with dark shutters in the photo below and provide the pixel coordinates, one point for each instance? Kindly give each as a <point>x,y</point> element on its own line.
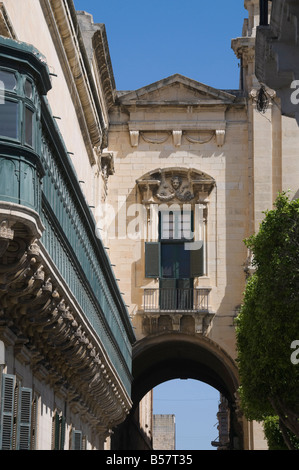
<point>24,419</point>
<point>62,432</point>
<point>77,440</point>
<point>16,415</point>
<point>34,422</point>
<point>58,431</point>
<point>197,260</point>
<point>175,255</point>
<point>152,259</point>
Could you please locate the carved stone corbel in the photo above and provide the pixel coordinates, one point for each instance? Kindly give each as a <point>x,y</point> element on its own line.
<point>6,234</point>
<point>176,319</point>
<point>220,137</point>
<point>134,137</point>
<point>107,164</point>
<point>177,138</point>
<point>6,231</point>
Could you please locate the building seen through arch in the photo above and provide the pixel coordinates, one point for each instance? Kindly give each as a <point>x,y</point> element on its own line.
<point>122,221</point>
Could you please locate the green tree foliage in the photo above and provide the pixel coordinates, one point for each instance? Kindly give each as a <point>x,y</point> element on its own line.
<point>275,437</point>
<point>269,320</point>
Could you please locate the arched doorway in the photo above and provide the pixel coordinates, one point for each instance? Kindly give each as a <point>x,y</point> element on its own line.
<point>172,355</point>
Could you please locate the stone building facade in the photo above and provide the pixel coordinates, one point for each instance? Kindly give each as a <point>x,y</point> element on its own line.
<point>197,167</point>
<point>65,334</point>
<point>169,180</point>
<point>164,432</point>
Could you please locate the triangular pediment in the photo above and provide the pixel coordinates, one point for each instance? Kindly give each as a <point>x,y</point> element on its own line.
<point>176,89</point>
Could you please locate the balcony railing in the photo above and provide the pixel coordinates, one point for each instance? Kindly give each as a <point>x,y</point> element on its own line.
<point>176,300</point>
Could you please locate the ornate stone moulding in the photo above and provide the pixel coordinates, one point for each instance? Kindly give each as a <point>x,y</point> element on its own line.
<point>175,185</point>
<point>192,323</point>
<point>42,321</point>
<point>201,134</point>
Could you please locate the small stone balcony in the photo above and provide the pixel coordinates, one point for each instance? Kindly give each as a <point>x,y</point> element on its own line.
<point>176,300</point>
<point>174,309</point>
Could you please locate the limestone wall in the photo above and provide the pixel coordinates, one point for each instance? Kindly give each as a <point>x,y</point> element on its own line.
<point>227,220</point>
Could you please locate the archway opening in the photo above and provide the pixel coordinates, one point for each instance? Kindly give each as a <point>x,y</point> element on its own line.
<point>167,356</point>
<point>185,415</point>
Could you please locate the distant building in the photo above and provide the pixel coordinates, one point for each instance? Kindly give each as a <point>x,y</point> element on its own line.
<point>164,432</point>
<point>277,50</point>
<point>223,416</point>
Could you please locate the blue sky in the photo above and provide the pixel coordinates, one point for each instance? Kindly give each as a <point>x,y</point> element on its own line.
<point>149,41</point>
<point>195,406</point>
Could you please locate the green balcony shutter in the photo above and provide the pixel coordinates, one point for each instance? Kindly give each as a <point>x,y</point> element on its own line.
<point>197,261</point>
<point>62,432</point>
<point>77,440</point>
<point>58,431</point>
<point>34,423</point>
<point>152,259</point>
<point>24,419</point>
<point>55,431</point>
<point>7,411</point>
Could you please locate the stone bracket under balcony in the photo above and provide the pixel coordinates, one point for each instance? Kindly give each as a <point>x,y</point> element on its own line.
<point>44,324</point>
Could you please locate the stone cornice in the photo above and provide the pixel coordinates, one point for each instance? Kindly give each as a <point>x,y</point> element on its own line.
<point>93,39</point>
<point>100,45</point>
<point>244,48</point>
<point>6,28</point>
<point>178,107</point>
<point>78,69</point>
<point>63,26</point>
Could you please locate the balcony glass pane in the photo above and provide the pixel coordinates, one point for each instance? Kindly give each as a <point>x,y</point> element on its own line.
<point>175,261</point>
<point>28,89</point>
<point>28,126</point>
<point>7,81</point>
<point>176,225</point>
<point>9,119</point>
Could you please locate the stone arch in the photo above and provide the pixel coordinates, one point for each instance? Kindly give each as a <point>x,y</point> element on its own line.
<point>165,356</point>
<point>170,355</point>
